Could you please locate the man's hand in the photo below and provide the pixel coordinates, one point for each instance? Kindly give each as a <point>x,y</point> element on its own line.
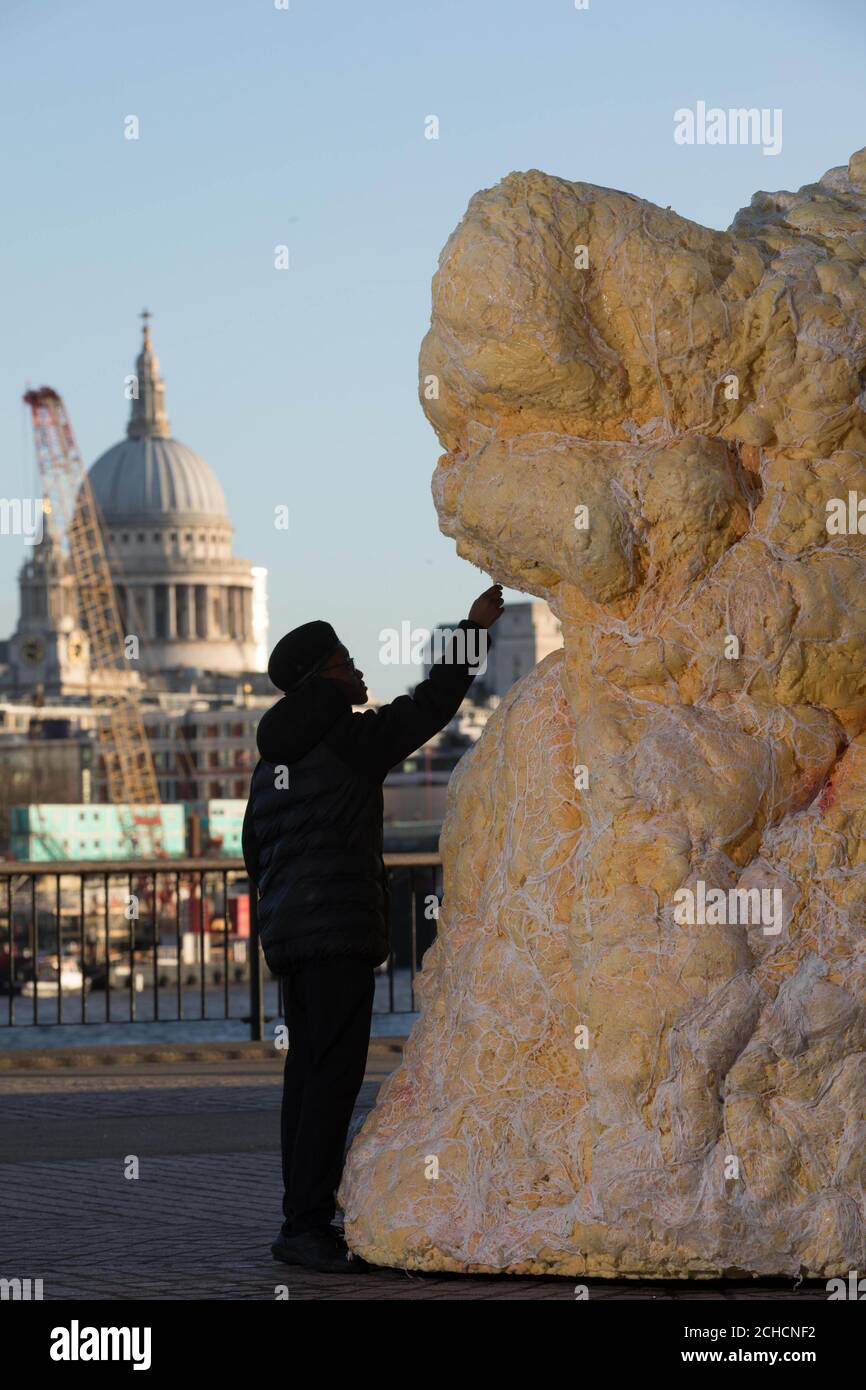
<point>487,608</point>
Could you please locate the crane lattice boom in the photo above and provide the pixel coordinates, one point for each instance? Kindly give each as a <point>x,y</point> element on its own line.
<point>129,766</point>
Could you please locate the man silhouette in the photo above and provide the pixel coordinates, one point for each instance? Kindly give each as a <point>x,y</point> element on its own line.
<point>312,845</point>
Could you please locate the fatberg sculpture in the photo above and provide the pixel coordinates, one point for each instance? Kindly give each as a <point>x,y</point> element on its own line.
<point>657,428</point>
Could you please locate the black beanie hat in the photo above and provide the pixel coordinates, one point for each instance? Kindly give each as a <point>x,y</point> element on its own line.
<point>299,654</point>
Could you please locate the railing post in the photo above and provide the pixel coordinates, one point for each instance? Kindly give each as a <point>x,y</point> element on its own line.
<point>257,1005</point>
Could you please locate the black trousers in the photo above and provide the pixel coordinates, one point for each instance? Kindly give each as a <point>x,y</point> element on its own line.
<point>327,1007</point>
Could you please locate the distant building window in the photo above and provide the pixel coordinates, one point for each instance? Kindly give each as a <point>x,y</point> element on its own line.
<point>188,536</point>
<point>174,535</point>
<point>161,609</point>
<point>125,538</point>
<point>141,535</point>
<point>182,610</point>
<point>200,610</point>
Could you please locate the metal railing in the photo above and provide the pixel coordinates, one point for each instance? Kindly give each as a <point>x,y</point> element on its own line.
<point>145,942</point>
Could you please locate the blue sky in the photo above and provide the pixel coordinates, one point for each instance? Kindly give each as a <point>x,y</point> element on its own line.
<point>261,126</point>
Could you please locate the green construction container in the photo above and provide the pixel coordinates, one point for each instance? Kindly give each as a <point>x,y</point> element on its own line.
<point>224,821</point>
<point>47,832</point>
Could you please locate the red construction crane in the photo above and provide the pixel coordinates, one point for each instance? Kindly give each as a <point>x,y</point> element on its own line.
<point>129,766</point>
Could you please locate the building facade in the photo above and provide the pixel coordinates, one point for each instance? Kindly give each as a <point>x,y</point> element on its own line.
<point>192,605</point>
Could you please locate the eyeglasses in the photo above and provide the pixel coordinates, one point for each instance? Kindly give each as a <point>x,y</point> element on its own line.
<point>320,670</point>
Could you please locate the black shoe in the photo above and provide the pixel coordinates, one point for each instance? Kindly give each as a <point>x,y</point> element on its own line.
<point>336,1229</point>
<point>320,1250</point>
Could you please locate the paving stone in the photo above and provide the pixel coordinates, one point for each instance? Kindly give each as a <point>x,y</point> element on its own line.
<point>199,1220</point>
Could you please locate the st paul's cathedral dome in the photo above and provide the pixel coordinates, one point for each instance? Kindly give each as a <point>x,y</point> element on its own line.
<point>194,606</point>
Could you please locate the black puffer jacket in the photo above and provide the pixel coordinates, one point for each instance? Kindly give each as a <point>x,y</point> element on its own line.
<point>312,836</point>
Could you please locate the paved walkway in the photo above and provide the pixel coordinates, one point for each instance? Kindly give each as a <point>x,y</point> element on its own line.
<point>198,1221</point>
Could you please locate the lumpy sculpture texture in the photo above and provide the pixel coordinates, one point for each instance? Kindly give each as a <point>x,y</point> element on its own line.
<point>595,1086</point>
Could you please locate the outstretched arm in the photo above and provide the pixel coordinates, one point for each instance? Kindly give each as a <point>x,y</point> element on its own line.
<point>380,739</point>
